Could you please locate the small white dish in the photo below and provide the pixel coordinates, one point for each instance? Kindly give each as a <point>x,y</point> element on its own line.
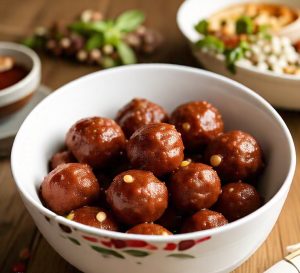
<point>10,124</point>
<point>16,96</point>
<point>94,250</point>
<point>280,90</point>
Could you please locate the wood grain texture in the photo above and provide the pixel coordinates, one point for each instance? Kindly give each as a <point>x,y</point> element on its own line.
<point>17,229</point>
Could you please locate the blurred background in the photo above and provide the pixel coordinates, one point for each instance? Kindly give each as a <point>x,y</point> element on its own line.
<point>26,15</point>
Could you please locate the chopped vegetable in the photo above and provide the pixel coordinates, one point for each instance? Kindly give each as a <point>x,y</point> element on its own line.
<point>211,42</point>
<point>202,27</point>
<point>234,55</point>
<point>244,25</point>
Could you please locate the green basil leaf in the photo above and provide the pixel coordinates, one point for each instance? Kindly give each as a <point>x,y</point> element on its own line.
<point>112,36</point>
<point>202,27</point>
<point>126,53</point>
<point>87,27</point>
<point>95,41</point>
<point>108,62</point>
<point>129,20</point>
<point>99,26</point>
<point>232,56</point>
<point>30,42</point>
<point>211,42</point>
<point>34,42</point>
<point>245,25</point>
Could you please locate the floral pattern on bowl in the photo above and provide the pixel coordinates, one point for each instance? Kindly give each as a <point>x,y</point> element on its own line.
<point>110,247</point>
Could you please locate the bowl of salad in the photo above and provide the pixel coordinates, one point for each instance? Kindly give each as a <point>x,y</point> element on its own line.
<point>254,43</point>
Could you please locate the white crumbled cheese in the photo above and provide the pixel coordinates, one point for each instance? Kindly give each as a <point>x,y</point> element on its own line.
<point>272,60</point>
<point>282,62</point>
<point>248,54</point>
<point>275,54</point>
<point>262,66</point>
<point>261,43</point>
<point>276,45</point>
<point>245,62</point>
<point>255,49</point>
<point>277,69</point>
<point>267,49</point>
<point>285,42</point>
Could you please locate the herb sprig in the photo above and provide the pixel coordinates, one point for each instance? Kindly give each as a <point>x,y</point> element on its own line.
<point>107,42</point>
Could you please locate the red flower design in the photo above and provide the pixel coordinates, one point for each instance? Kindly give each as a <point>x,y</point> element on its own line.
<point>184,245</point>
<point>106,243</point>
<point>91,239</point>
<point>202,239</point>
<point>136,243</point>
<point>170,246</point>
<point>118,243</point>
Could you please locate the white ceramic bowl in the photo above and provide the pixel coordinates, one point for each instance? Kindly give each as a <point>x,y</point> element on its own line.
<point>280,90</point>
<point>103,93</point>
<point>14,97</point>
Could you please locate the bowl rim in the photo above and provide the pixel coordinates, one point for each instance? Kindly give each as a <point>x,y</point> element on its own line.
<point>265,106</point>
<point>34,70</point>
<point>179,19</point>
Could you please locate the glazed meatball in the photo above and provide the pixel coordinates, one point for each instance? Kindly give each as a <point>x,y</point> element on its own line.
<point>194,186</point>
<point>137,196</point>
<point>235,155</point>
<point>61,158</point>
<point>203,219</point>
<point>170,219</point>
<point>149,229</point>
<point>120,166</point>
<point>238,200</point>
<point>139,112</point>
<point>96,141</point>
<point>94,217</point>
<point>69,186</point>
<point>157,148</point>
<point>198,122</point>
<point>105,180</point>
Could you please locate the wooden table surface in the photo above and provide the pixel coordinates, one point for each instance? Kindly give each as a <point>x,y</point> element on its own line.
<point>17,230</point>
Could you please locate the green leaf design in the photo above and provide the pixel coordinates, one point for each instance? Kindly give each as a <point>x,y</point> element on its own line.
<point>202,27</point>
<point>181,256</point>
<point>74,241</point>
<point>136,253</point>
<point>129,20</point>
<point>127,55</point>
<point>95,41</point>
<point>106,251</point>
